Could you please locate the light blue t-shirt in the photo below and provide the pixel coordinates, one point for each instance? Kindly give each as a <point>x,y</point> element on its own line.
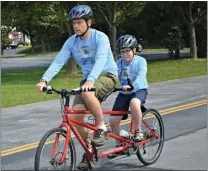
<point>136,70</point>
<point>92,54</point>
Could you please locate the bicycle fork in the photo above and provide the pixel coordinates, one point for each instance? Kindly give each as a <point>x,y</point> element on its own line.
<point>66,144</point>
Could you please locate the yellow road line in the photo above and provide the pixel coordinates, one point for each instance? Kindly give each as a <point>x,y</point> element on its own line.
<point>162,112</point>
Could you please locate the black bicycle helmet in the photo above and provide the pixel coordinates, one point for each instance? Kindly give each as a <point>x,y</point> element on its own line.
<point>80,12</point>
<point>126,41</point>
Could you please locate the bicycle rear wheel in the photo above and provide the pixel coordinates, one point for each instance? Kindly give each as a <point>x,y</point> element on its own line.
<point>148,153</point>
<point>43,157</point>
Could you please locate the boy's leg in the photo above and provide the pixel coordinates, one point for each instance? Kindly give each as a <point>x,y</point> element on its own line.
<point>115,125</point>
<point>135,106</point>
<point>136,113</point>
<point>121,103</point>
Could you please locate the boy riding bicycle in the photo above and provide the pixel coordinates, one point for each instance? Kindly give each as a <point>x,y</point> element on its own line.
<point>133,67</point>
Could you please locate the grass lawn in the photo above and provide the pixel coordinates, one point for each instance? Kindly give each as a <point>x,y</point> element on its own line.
<point>18,87</point>
<point>28,52</point>
<point>163,50</point>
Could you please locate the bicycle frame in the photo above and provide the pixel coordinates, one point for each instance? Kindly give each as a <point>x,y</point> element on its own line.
<point>68,124</point>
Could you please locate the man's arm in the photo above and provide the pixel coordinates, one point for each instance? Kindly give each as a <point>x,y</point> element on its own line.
<point>141,74</point>
<point>58,62</point>
<point>103,46</point>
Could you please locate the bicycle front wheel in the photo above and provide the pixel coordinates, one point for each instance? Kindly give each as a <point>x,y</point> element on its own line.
<point>153,129</point>
<point>50,151</point>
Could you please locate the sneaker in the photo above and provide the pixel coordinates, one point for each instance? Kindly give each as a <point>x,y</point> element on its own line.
<point>139,135</point>
<point>113,155</point>
<point>100,137</point>
<point>83,165</point>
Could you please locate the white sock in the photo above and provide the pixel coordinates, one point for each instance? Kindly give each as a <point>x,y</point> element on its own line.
<point>103,127</point>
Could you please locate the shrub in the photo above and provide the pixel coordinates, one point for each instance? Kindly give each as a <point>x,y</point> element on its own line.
<point>173,41</point>
<point>21,43</point>
<point>27,43</point>
<point>6,41</point>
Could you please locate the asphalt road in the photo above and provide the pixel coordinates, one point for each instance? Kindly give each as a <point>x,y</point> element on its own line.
<point>19,63</point>
<point>185,128</point>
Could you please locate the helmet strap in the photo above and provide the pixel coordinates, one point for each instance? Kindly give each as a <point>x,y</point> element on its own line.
<point>133,51</point>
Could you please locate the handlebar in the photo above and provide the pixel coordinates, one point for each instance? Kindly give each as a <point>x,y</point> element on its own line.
<point>64,92</point>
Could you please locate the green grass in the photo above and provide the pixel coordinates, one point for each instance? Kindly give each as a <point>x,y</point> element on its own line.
<point>28,52</point>
<point>162,50</point>
<point>18,87</point>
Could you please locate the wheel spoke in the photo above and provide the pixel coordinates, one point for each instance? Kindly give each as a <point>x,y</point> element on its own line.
<point>43,159</point>
<point>154,147</point>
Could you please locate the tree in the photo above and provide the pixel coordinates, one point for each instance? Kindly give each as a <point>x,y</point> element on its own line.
<point>114,14</point>
<point>201,42</point>
<point>108,11</point>
<point>5,40</point>
<point>192,13</point>
<point>40,21</point>
<point>72,66</point>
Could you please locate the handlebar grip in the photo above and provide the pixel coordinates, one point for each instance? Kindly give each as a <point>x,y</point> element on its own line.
<point>130,84</point>
<point>44,89</point>
<point>92,89</point>
<point>129,89</point>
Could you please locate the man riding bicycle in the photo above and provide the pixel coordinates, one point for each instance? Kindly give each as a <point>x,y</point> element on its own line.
<point>91,51</point>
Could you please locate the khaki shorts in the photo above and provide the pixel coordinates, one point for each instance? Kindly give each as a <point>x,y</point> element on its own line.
<point>105,83</point>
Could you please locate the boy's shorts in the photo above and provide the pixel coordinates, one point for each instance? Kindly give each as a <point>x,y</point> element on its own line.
<point>122,101</point>
<point>105,83</point>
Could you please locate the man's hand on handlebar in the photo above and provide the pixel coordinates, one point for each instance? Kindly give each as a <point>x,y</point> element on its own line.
<point>87,85</point>
<point>40,86</point>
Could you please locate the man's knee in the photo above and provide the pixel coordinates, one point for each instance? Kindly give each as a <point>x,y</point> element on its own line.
<point>78,116</point>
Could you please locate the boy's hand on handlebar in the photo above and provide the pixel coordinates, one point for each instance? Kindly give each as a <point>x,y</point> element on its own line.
<point>126,88</point>
<point>40,86</point>
<point>87,85</point>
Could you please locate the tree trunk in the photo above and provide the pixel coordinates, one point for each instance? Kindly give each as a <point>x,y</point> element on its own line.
<point>114,32</point>
<point>68,28</point>
<point>72,66</point>
<point>49,47</point>
<point>31,38</point>
<point>32,43</point>
<point>42,42</point>
<point>177,53</point>
<point>192,36</point>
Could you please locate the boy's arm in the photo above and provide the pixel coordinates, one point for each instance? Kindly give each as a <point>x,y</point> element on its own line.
<point>141,74</point>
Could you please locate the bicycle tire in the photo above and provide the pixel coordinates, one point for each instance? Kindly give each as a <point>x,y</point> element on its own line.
<point>43,142</point>
<point>161,141</point>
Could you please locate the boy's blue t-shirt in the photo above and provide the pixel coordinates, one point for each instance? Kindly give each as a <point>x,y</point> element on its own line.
<point>136,70</point>
<point>92,54</point>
